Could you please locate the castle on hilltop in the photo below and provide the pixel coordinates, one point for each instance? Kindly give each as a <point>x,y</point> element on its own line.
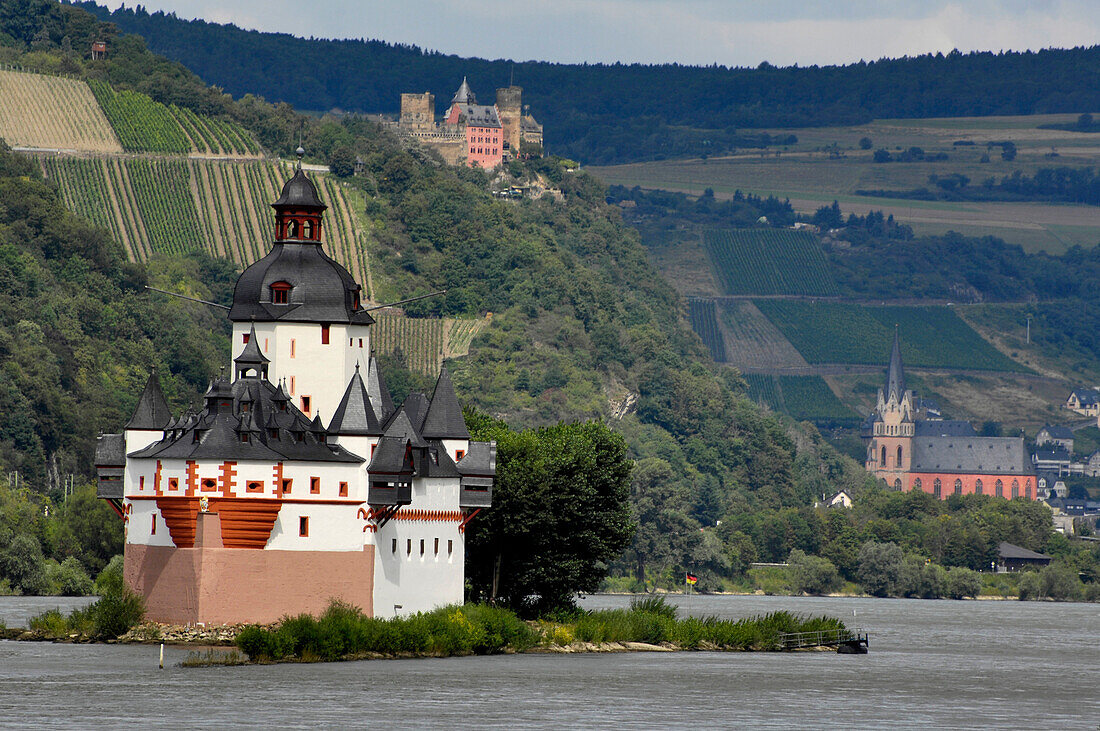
<point>470,133</point>
<point>910,447</point>
<point>253,508</point>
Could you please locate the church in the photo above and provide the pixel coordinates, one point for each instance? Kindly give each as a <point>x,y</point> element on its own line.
<point>253,507</point>
<point>910,448</point>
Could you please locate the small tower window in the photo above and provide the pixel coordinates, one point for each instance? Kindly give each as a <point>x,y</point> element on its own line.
<point>303,526</point>
<point>315,485</point>
<point>292,230</point>
<point>343,489</point>
<point>305,404</point>
<point>280,293</point>
<point>324,334</point>
<point>307,230</point>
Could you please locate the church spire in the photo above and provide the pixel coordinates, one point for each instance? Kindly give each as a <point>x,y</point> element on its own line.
<point>895,372</point>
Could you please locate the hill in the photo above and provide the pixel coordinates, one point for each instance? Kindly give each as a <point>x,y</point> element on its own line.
<point>591,111</point>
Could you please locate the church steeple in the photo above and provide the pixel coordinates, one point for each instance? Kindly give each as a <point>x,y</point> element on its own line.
<point>895,372</point>
<point>298,209</point>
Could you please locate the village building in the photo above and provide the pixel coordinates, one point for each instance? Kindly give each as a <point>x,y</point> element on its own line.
<point>473,134</point>
<point>909,451</point>
<point>1012,558</point>
<point>1085,401</point>
<point>253,508</point>
<point>1055,436</point>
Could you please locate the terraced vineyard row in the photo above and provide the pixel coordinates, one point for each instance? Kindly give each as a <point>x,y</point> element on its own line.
<point>419,340</point>
<point>461,332</point>
<point>165,205</point>
<point>214,136</point>
<point>806,398</point>
<point>704,321</point>
<point>767,261</point>
<point>52,112</point>
<point>752,341</point>
<point>142,125</point>
<point>935,337</point>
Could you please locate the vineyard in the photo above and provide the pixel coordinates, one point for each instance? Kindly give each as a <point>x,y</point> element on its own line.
<point>170,206</point>
<point>461,332</point>
<point>145,125</point>
<point>752,341</point>
<point>806,398</point>
<point>704,321</point>
<point>766,261</point>
<point>934,337</point>
<point>52,112</point>
<point>419,340</point>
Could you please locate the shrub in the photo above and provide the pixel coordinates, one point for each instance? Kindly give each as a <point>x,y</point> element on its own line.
<point>69,578</point>
<point>961,583</point>
<point>1028,586</point>
<point>658,605</point>
<point>116,613</point>
<point>811,574</point>
<point>880,566</point>
<point>110,578</point>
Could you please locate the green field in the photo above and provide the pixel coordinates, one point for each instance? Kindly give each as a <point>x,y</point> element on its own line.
<point>806,398</point>
<point>704,321</point>
<point>933,337</point>
<point>769,261</point>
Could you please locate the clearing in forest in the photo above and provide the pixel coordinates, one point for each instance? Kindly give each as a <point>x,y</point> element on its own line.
<point>50,112</point>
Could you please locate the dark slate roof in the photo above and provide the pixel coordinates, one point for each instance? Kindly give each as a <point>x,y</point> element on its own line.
<point>251,354</point>
<point>110,450</point>
<point>435,461</point>
<point>380,397</point>
<point>1009,550</point>
<point>444,418</point>
<point>1058,432</point>
<point>464,95</point>
<point>391,457</point>
<point>481,116</point>
<point>401,426</point>
<point>1087,396</point>
<point>971,455</point>
<point>1053,454</point>
<point>943,428</point>
<point>415,407</point>
<point>895,372</point>
<point>299,192</point>
<point>480,459</point>
<point>355,415</point>
<point>152,411</point>
<point>219,429</point>
<point>322,290</point>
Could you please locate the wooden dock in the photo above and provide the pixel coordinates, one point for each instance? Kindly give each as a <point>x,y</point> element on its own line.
<point>847,641</point>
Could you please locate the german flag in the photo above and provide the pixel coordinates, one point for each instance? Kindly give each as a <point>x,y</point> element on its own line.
<point>691,579</point>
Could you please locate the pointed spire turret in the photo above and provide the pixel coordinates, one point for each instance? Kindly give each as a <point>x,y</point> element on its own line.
<point>895,372</point>
<point>151,412</point>
<point>251,359</point>
<point>380,397</point>
<point>464,95</point>
<point>355,415</point>
<point>444,419</point>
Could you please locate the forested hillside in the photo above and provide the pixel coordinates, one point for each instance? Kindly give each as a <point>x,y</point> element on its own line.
<point>591,111</point>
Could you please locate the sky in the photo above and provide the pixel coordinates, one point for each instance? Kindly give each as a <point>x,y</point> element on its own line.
<point>697,32</point>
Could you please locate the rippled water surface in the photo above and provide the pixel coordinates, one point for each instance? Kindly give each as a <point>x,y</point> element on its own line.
<point>933,664</point>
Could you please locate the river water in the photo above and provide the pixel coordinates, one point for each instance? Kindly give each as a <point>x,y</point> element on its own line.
<point>932,664</point>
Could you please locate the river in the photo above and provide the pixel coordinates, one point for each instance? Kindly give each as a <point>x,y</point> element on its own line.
<point>932,664</point>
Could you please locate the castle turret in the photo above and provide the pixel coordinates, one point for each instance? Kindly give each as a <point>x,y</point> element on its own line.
<point>444,419</point>
<point>150,416</point>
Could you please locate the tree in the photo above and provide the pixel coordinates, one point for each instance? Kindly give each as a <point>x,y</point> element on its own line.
<point>962,583</point>
<point>880,566</point>
<point>882,155</point>
<point>23,565</point>
<point>666,535</point>
<point>811,574</point>
<point>342,162</point>
<point>865,143</point>
<point>1085,121</point>
<point>1008,151</point>
<point>560,513</point>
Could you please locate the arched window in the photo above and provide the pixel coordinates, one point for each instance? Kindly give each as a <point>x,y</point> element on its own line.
<point>292,230</point>
<point>307,230</point>
<point>958,487</point>
<point>897,484</point>
<point>937,488</point>
<point>280,293</point>
<point>899,455</point>
<point>916,484</point>
<point>883,464</point>
<point>978,489</point>
<point>999,488</point>
<point>1027,490</point>
<point>1015,488</point>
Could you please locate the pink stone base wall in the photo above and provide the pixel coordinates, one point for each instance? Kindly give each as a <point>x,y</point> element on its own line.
<point>232,585</point>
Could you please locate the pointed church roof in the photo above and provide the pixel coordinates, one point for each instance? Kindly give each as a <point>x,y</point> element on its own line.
<point>464,95</point>
<point>152,411</point>
<point>251,354</point>
<point>355,415</point>
<point>380,397</point>
<point>895,372</point>
<point>444,419</point>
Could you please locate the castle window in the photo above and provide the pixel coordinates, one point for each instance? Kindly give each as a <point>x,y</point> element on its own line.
<point>899,455</point>
<point>255,486</point>
<point>1015,489</point>
<point>173,483</point>
<point>153,530</point>
<point>305,404</point>
<point>916,484</point>
<point>958,487</point>
<point>450,547</point>
<point>897,484</point>
<point>314,485</point>
<point>292,344</point>
<point>343,489</point>
<point>436,546</point>
<point>244,437</point>
<point>408,546</point>
<point>883,462</point>
<point>287,484</point>
<point>280,293</point>
<point>209,485</point>
<point>273,433</point>
<point>292,385</point>
<point>421,546</point>
<point>393,546</point>
<point>141,482</point>
<point>292,230</point>
<point>999,488</point>
<point>978,489</point>
<point>937,488</point>
<point>307,230</point>
<point>360,342</point>
<point>245,338</point>
<point>459,454</point>
<point>303,526</point>
<point>324,334</point>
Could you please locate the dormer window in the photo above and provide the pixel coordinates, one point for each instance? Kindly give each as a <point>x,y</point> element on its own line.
<point>280,293</point>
